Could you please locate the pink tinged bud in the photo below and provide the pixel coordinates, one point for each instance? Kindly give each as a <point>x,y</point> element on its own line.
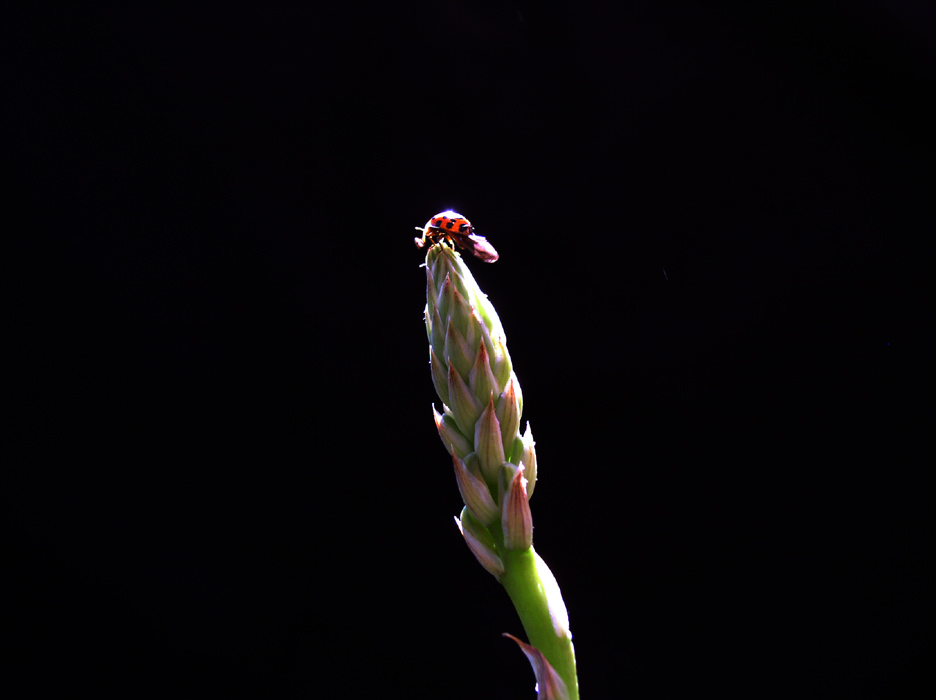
<point>480,543</point>
<point>508,413</point>
<point>515,511</point>
<point>480,378</point>
<point>457,351</point>
<point>451,437</point>
<point>519,392</point>
<point>465,408</point>
<point>488,443</point>
<point>529,459</point>
<point>549,685</point>
<point>475,494</point>
<point>439,375</point>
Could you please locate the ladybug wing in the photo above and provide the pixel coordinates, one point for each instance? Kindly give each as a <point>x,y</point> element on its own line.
<point>480,248</point>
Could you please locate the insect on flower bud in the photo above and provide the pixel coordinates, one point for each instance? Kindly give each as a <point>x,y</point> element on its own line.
<point>452,228</point>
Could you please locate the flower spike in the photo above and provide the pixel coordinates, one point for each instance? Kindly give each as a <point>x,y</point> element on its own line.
<point>495,466</point>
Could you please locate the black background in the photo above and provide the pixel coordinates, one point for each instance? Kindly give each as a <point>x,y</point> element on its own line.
<point>712,221</point>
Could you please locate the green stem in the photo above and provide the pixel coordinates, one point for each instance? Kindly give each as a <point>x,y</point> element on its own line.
<point>527,591</point>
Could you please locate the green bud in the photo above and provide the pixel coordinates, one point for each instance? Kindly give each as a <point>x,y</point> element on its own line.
<point>457,351</point>
<point>460,313</point>
<point>464,406</point>
<point>481,379</point>
<point>444,299</point>
<point>439,375</point>
<point>500,362</point>
<point>436,331</point>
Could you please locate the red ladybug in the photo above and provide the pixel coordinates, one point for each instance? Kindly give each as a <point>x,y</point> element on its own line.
<point>453,228</point>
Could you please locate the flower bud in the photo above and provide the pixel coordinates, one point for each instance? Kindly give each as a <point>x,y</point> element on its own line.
<point>457,352</point>
<point>508,413</point>
<point>515,509</point>
<point>448,431</point>
<point>481,380</point>
<point>488,443</point>
<point>464,406</point>
<point>475,494</point>
<point>529,459</point>
<point>439,375</point>
<point>480,543</point>
<point>444,299</point>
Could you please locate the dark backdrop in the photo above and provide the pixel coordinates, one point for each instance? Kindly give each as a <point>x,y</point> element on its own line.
<point>712,221</point>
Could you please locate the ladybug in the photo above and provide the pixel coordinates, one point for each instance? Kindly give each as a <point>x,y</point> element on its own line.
<point>453,228</point>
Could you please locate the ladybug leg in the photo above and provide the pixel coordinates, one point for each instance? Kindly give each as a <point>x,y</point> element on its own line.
<point>421,242</point>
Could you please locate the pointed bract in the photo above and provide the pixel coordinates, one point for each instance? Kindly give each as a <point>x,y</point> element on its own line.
<point>529,460</point>
<point>549,686</point>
